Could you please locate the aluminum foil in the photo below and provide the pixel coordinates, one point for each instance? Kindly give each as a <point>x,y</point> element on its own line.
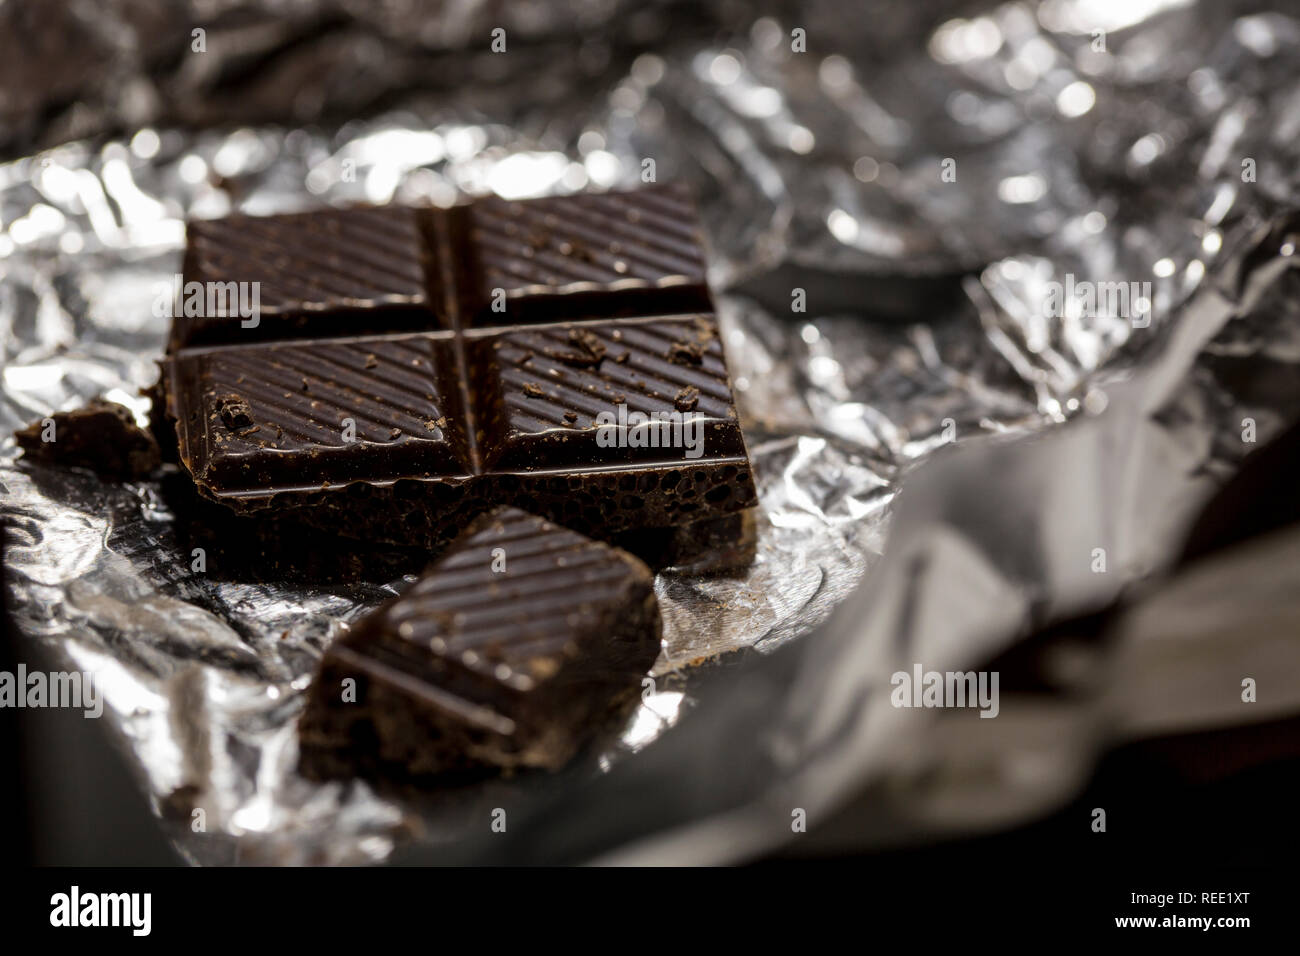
<point>888,204</point>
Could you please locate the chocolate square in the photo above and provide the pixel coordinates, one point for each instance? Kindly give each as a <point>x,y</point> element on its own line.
<point>603,392</point>
<point>313,413</point>
<point>580,256</point>
<point>357,271</point>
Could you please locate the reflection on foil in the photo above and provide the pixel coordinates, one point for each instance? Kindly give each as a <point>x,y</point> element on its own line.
<point>929,186</point>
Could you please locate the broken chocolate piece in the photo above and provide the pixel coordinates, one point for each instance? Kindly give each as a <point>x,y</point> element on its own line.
<point>101,436</point>
<point>509,652</point>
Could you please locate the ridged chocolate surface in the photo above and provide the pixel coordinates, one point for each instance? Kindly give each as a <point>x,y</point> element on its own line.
<point>318,412</point>
<point>536,394</point>
<point>504,652</point>
<point>471,410</point>
<point>559,257</point>
<point>545,388</point>
<point>512,615</point>
<point>336,271</point>
<point>374,270</point>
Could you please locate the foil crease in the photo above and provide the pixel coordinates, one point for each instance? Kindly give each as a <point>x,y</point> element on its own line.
<point>821,172</point>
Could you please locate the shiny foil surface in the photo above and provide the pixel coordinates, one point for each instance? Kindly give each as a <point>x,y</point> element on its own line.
<point>888,198</point>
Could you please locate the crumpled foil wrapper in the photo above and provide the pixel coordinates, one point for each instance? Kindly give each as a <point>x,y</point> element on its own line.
<point>915,179</point>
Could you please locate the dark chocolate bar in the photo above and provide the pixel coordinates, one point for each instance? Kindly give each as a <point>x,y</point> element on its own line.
<point>509,652</point>
<point>607,424</point>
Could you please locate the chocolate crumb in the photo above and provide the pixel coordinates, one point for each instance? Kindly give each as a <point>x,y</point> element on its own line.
<point>687,399</point>
<point>234,411</point>
<point>686,353</point>
<point>570,417</point>
<point>533,391</point>
<point>590,350</point>
<point>372,360</point>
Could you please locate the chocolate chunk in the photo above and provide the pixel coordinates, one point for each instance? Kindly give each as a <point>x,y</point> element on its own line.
<point>162,420</point>
<point>371,270</point>
<point>510,652</point>
<point>101,436</point>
